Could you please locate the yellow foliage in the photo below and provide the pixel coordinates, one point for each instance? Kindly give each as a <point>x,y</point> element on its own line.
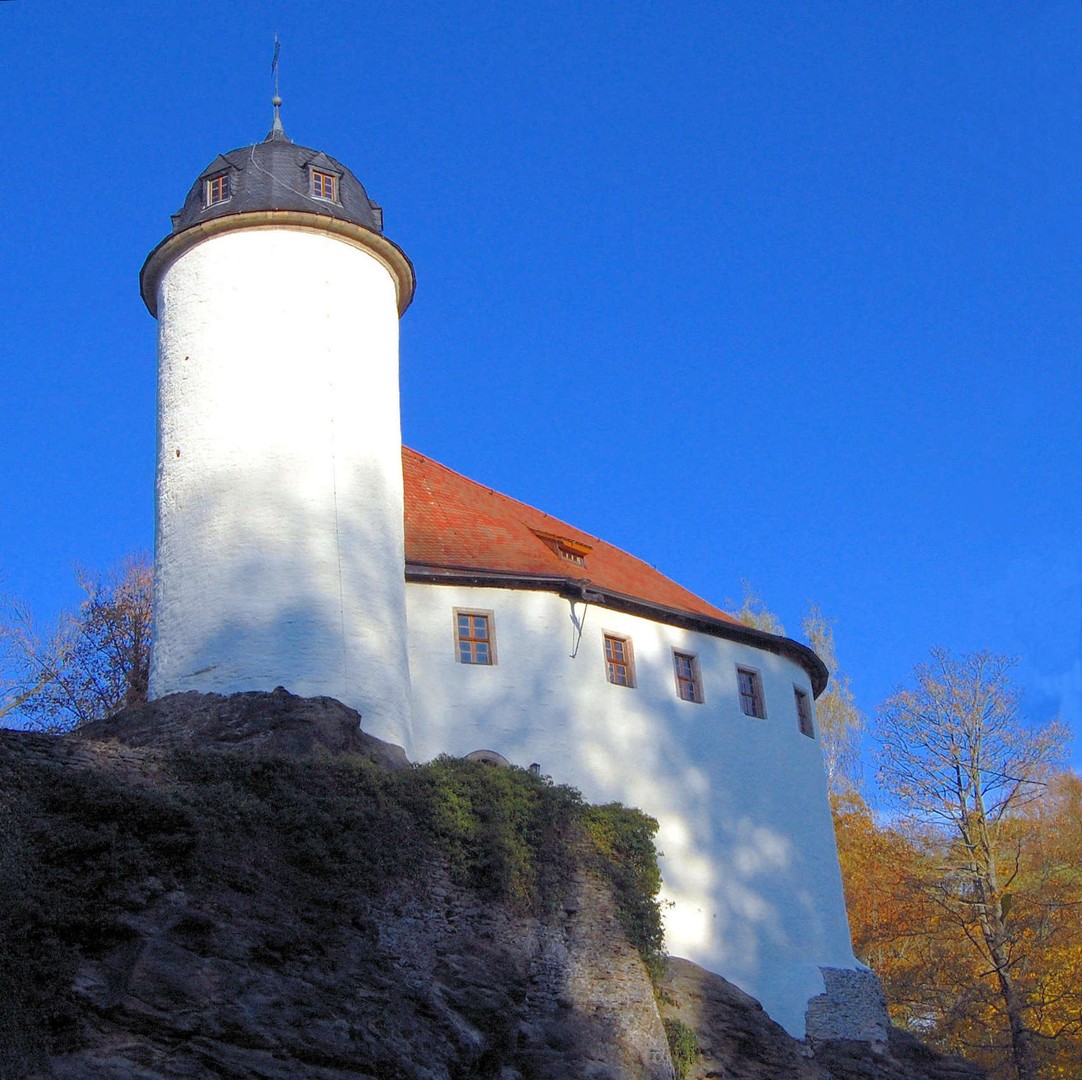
<point>928,952</point>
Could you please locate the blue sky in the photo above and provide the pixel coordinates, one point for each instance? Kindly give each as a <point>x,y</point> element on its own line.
<point>778,292</point>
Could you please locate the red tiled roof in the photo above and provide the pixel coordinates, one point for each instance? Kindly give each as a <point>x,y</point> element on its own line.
<point>459,525</point>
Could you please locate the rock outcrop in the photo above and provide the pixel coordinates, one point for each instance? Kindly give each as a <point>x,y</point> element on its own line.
<point>177,951</point>
<point>255,722</point>
<point>738,1040</point>
<point>428,983</point>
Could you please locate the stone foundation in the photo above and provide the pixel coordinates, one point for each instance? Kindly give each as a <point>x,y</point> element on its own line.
<point>853,1007</point>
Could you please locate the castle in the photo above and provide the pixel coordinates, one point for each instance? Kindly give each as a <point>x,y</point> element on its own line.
<point>298,543</point>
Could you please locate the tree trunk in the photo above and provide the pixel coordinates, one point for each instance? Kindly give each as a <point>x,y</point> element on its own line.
<point>1021,1046</point>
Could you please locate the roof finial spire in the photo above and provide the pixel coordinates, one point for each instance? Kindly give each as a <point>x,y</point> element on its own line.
<point>276,131</point>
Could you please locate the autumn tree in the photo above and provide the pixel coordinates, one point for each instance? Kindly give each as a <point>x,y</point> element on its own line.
<point>1046,902</point>
<point>840,722</point>
<point>754,613</point>
<point>96,661</point>
<point>961,768</point>
<point>27,661</point>
<point>895,926</point>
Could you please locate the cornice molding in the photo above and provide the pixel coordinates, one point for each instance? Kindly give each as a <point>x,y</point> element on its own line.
<point>392,257</point>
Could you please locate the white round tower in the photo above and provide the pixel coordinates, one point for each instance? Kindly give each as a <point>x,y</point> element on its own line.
<point>279,547</point>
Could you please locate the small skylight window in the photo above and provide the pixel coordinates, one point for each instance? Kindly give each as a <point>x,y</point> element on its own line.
<point>324,186</point>
<point>218,189</point>
<point>572,551</point>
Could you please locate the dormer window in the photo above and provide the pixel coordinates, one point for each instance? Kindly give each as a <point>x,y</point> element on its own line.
<point>324,185</point>
<point>218,189</point>
<point>572,551</point>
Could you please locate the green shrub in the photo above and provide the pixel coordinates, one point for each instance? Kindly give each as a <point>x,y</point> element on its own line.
<point>623,839</point>
<point>683,1046</point>
<point>513,836</point>
<point>504,831</point>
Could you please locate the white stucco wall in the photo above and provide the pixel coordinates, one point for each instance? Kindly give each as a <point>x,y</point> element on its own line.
<point>749,859</point>
<point>279,548</point>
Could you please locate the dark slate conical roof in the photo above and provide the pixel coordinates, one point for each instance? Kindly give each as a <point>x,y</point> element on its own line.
<point>276,175</point>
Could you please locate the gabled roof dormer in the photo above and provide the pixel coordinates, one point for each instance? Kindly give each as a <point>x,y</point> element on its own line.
<point>324,178</point>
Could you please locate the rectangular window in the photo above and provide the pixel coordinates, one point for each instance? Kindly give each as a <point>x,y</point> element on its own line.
<point>803,713</point>
<point>751,693</point>
<point>218,189</point>
<point>474,637</point>
<point>618,663</point>
<point>324,186</point>
<point>689,686</point>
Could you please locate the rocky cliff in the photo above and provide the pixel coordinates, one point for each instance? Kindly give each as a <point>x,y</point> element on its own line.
<point>249,887</point>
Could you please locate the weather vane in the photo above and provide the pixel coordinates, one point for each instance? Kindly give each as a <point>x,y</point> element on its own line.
<point>276,101</point>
